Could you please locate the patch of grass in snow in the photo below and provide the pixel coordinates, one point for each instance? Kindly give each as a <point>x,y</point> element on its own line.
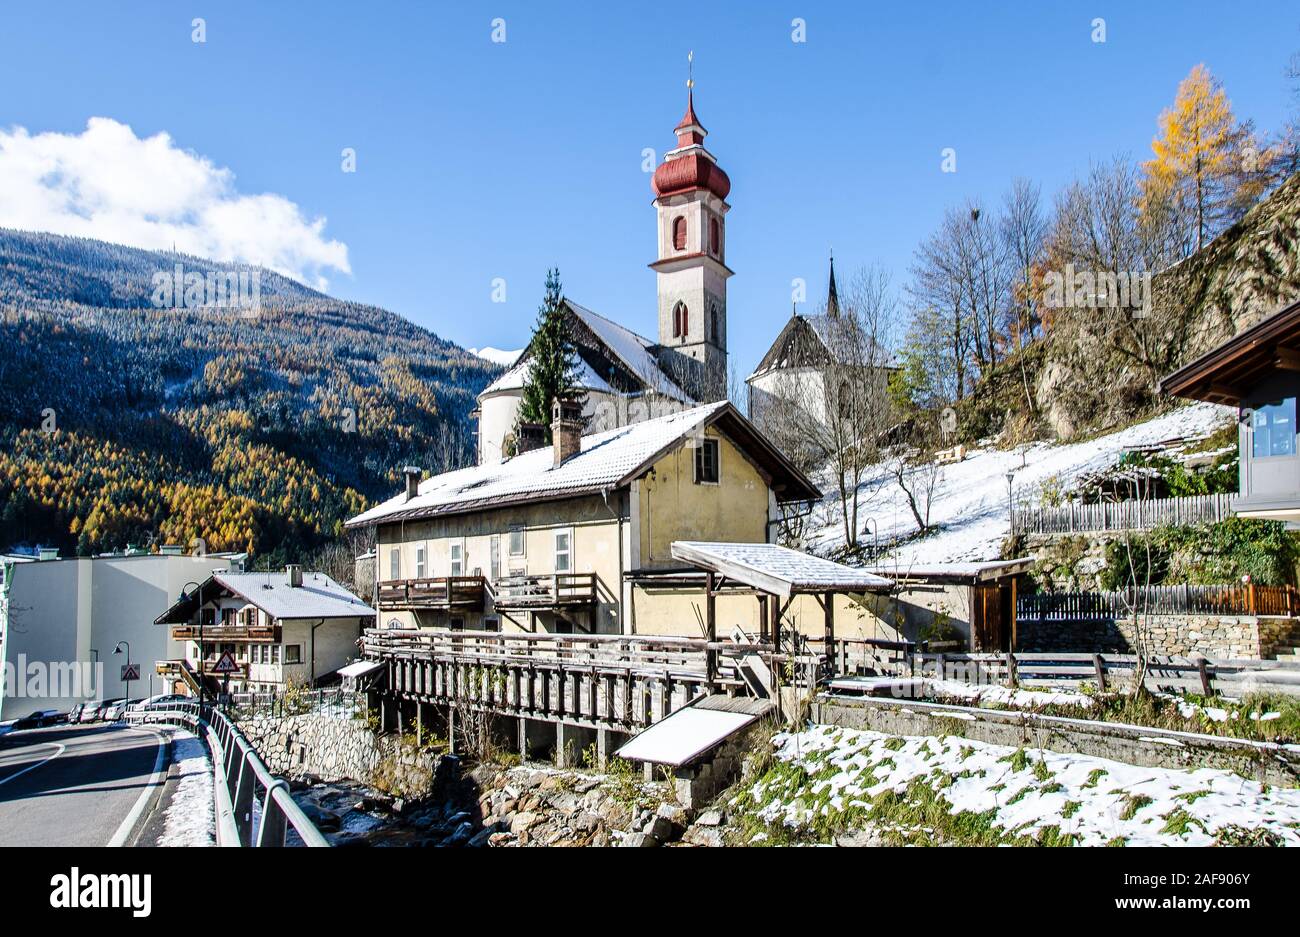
<point>1070,809</point>
<point>1164,712</point>
<point>1041,771</point>
<point>894,744</point>
<point>1233,835</point>
<point>1095,775</point>
<point>1132,804</point>
<point>1019,759</point>
<point>1192,797</point>
<point>1179,822</point>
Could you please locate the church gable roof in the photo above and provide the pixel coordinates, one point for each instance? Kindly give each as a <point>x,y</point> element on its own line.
<point>631,355</point>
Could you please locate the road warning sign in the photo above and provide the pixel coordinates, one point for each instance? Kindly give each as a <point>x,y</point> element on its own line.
<point>130,672</point>
<point>226,664</point>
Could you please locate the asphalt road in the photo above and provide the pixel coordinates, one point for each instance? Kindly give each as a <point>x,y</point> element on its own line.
<point>77,785</point>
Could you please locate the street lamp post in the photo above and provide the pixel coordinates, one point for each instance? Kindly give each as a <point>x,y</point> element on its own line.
<point>1011,511</point>
<point>199,611</point>
<point>118,650</point>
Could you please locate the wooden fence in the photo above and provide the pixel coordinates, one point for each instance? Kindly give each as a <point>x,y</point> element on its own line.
<point>1113,671</point>
<point>1113,516</point>
<point>1232,599</point>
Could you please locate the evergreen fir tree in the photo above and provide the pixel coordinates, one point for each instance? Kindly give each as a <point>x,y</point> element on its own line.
<point>553,358</point>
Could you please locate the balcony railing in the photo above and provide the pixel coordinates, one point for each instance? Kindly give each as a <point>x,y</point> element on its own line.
<point>556,590</point>
<point>464,592</point>
<point>263,634</point>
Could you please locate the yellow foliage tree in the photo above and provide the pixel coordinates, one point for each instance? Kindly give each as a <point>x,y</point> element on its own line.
<point>1204,160</point>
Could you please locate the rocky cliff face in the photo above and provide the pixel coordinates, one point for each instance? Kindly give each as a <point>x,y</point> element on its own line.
<point>1099,367</point>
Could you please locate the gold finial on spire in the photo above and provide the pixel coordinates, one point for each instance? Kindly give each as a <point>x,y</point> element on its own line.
<point>690,69</point>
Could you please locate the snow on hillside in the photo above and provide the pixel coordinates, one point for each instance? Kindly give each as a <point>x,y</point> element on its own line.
<point>1017,794</point>
<point>970,502</point>
<point>497,355</point>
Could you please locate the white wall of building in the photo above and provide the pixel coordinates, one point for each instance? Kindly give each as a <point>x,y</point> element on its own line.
<point>61,610</point>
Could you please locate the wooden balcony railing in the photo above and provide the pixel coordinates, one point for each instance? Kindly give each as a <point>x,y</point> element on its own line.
<point>556,590</point>
<point>463,592</point>
<point>257,634</point>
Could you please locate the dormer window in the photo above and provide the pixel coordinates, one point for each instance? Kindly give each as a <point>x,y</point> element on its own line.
<point>681,321</point>
<point>679,233</point>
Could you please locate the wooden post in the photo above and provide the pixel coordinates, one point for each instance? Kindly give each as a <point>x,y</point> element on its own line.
<point>828,608</point>
<point>711,629</point>
<point>1011,669</point>
<point>762,619</point>
<point>1013,612</point>
<point>1099,668</point>
<point>1205,677</point>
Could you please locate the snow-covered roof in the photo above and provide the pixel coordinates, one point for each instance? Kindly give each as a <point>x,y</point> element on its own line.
<point>319,596</point>
<point>607,460</point>
<point>584,378</point>
<point>633,351</point>
<point>976,571</point>
<point>777,570</point>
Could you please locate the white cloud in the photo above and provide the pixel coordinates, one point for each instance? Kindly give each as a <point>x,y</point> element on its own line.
<point>109,184</point>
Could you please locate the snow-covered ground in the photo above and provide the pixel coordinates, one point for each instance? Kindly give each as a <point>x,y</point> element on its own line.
<point>497,355</point>
<point>970,503</point>
<point>190,819</point>
<point>1099,801</point>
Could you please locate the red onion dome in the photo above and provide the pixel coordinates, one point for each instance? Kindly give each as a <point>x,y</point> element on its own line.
<point>688,172</point>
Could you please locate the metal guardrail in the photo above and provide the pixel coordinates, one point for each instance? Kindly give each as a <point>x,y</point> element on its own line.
<point>240,774</point>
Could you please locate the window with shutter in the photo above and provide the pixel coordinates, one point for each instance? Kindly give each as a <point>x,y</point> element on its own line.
<point>679,233</point>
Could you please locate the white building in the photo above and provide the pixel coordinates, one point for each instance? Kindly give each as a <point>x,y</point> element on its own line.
<point>60,617</point>
<point>277,628</point>
<point>627,377</point>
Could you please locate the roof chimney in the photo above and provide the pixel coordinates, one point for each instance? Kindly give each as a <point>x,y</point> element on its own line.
<point>566,427</point>
<point>294,574</point>
<point>529,436</point>
<point>412,474</point>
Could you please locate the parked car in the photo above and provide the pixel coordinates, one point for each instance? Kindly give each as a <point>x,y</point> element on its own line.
<point>37,720</point>
<point>162,701</point>
<point>90,711</point>
<point>114,710</point>
<point>74,714</point>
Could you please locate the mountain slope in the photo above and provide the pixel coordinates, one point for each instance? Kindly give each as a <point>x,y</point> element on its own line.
<point>128,423</point>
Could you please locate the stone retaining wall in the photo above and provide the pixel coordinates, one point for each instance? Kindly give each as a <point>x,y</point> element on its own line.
<point>1135,745</point>
<point>338,746</point>
<point>1219,637</point>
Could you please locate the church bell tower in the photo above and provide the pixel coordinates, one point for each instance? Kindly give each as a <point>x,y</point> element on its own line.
<point>690,199</point>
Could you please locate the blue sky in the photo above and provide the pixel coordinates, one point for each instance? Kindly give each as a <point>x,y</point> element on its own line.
<point>478,160</point>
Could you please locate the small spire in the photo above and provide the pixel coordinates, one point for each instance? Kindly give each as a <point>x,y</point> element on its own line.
<point>832,294</point>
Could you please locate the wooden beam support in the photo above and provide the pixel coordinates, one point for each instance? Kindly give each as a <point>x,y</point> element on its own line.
<point>711,629</point>
<point>828,606</point>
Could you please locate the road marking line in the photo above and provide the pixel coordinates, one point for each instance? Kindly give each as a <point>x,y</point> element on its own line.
<point>128,824</point>
<point>18,774</point>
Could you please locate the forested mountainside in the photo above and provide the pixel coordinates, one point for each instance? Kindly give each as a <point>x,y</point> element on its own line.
<point>124,423</point>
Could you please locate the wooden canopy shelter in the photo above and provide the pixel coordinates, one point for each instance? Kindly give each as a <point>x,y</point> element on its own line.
<point>1224,374</point>
<point>774,574</point>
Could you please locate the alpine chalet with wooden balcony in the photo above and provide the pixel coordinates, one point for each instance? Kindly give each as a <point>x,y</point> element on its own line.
<point>278,628</point>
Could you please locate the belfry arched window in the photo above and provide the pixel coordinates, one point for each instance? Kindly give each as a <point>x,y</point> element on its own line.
<point>715,237</point>
<point>679,233</point>
<point>681,321</point>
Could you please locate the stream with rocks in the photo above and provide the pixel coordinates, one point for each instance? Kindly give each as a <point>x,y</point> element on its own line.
<point>528,805</point>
